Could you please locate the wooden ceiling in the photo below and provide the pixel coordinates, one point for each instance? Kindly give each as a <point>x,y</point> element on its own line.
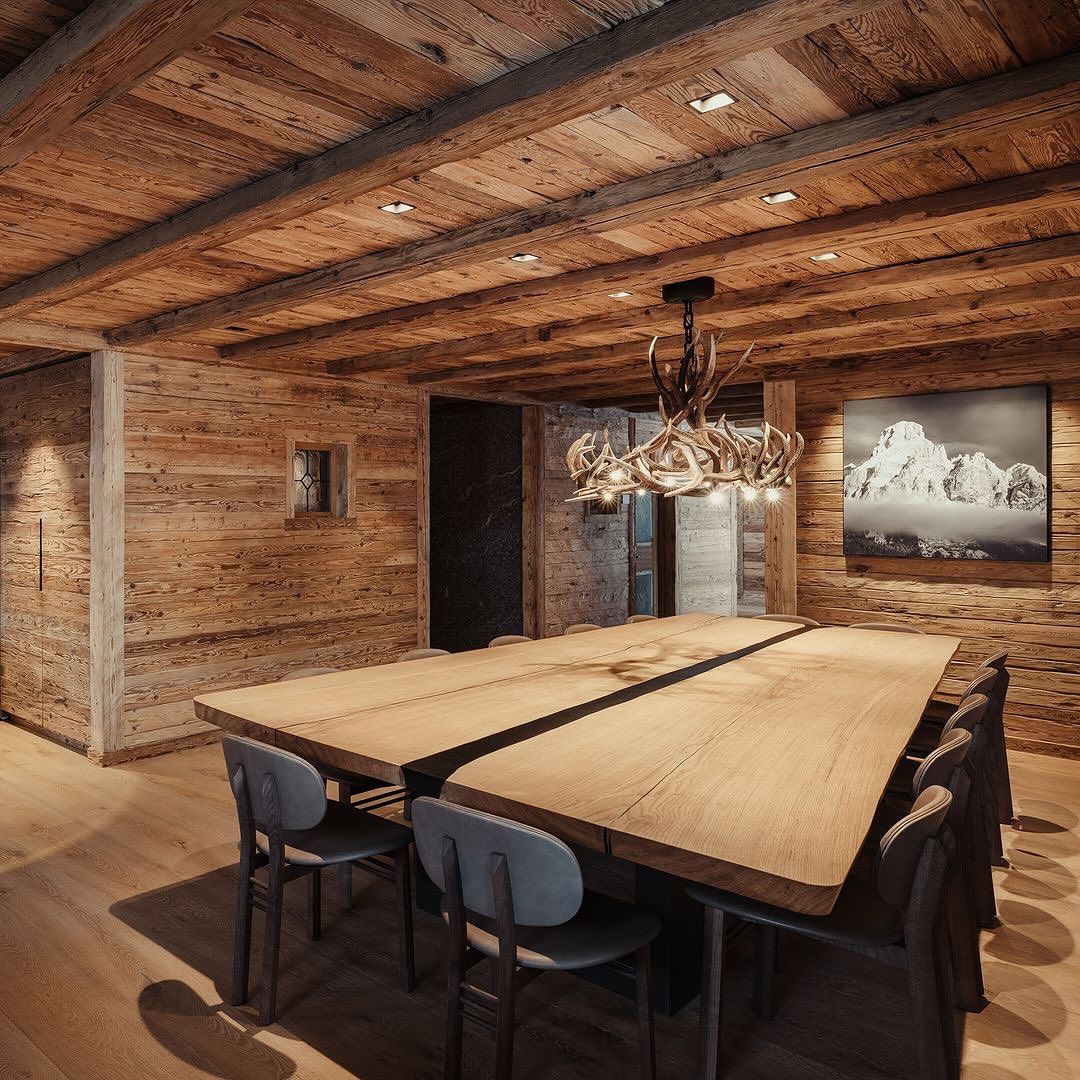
<point>199,179</point>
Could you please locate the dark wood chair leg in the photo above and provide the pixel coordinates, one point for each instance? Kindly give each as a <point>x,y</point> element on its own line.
<point>242,939</point>
<point>964,945</point>
<point>646,1040</point>
<point>764,971</point>
<point>783,942</point>
<point>930,1004</point>
<point>982,878</point>
<point>314,905</point>
<point>275,896</point>
<point>345,794</point>
<point>403,881</point>
<point>504,1027</point>
<point>1002,780</point>
<point>711,987</point>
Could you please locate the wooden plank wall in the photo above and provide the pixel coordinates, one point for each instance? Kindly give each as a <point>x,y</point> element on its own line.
<point>706,555</point>
<point>1031,609</point>
<point>221,591</point>
<point>586,575</point>
<point>45,466</point>
<point>751,557</point>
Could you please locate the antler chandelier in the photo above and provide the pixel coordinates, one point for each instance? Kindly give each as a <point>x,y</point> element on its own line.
<point>689,455</point>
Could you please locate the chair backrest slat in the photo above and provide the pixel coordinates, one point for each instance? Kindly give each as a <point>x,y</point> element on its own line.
<point>581,628</point>
<point>308,673</point>
<point>968,715</point>
<point>985,682</point>
<point>545,878</point>
<point>902,846</point>
<point>896,628</point>
<point>508,639</point>
<point>301,791</point>
<point>801,620</point>
<point>640,618</point>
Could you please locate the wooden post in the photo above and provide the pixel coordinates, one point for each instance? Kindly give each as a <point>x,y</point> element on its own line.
<point>423,519</point>
<point>106,555</point>
<point>532,520</point>
<point>781,595</point>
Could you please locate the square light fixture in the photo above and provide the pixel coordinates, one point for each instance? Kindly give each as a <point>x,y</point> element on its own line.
<point>620,294</point>
<point>524,256</point>
<point>719,100</point>
<point>398,207</point>
<point>779,197</point>
<point>825,256</point>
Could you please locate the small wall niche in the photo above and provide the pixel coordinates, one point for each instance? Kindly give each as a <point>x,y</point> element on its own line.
<point>318,481</point>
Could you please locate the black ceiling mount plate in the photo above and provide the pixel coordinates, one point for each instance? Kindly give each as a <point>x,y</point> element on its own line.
<point>681,292</point>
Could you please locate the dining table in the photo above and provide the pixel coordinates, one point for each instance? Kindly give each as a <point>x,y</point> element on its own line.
<point>747,754</point>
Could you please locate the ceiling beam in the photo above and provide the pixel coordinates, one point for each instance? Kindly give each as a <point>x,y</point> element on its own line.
<point>101,53</point>
<point>659,318</point>
<point>41,335</point>
<point>679,38</point>
<point>1017,99</point>
<point>790,360</point>
<point>982,204</point>
<point>31,360</point>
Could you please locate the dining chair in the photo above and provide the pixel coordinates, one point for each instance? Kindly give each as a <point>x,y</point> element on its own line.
<point>581,628</point>
<point>938,712</point>
<point>945,766</point>
<point>897,917</point>
<point>898,628</point>
<point>287,826</point>
<point>507,639</point>
<point>349,785</point>
<point>640,618</point>
<point>515,894</point>
<point>421,654</point>
<point>802,620</point>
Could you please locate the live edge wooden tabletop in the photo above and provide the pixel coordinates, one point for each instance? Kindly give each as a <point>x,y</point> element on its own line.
<point>760,776</point>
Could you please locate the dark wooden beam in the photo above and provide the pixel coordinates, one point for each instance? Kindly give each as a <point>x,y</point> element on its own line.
<point>42,335</point>
<point>982,204</point>
<point>679,38</point>
<point>102,52</point>
<point>659,318</point>
<point>31,360</point>
<point>991,107</point>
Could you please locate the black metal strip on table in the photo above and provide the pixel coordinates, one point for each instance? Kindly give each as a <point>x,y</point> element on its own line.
<point>426,776</point>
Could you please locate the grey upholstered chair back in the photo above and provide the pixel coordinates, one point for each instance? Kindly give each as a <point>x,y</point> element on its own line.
<point>299,790</point>
<point>902,846</point>
<point>896,628</point>
<point>308,673</point>
<point>802,620</point>
<point>581,627</point>
<point>508,639</point>
<point>968,715</point>
<point>938,766</point>
<point>640,618</point>
<point>545,878</point>
<point>422,654</point>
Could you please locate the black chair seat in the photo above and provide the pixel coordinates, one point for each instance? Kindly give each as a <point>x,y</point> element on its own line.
<point>343,834</point>
<point>860,916</point>
<point>603,930</point>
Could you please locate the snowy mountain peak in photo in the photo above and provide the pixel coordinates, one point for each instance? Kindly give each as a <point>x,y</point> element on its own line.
<point>906,463</point>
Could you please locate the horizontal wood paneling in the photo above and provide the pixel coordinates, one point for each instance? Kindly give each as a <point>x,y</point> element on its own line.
<point>1033,610</point>
<point>221,590</point>
<point>45,467</point>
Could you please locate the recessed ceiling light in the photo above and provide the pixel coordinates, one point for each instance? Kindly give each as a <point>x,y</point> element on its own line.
<point>620,294</point>
<point>779,197</point>
<point>524,256</point>
<point>825,256</point>
<point>398,207</point>
<point>712,101</point>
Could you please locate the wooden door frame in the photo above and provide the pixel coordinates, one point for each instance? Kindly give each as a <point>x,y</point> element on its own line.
<point>533,444</point>
<point>781,581</point>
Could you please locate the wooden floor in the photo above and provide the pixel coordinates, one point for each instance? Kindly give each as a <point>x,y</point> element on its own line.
<point>115,909</point>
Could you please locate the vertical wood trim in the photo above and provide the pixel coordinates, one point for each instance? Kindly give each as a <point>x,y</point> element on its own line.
<point>734,550</point>
<point>532,520</point>
<point>423,519</point>
<point>781,594</point>
<point>106,553</point>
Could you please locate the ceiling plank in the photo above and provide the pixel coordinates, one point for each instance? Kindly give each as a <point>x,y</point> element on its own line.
<point>1035,254</point>
<point>982,204</point>
<point>993,106</point>
<point>31,360</point>
<point>681,37</point>
<point>101,53</point>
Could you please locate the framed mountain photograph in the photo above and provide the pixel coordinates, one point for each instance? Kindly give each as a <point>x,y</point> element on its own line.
<point>948,476</point>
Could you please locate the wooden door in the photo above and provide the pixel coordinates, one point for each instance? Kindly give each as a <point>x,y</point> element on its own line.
<point>45,549</point>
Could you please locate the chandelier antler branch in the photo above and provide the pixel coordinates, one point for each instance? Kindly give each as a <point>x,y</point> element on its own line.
<point>689,455</point>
